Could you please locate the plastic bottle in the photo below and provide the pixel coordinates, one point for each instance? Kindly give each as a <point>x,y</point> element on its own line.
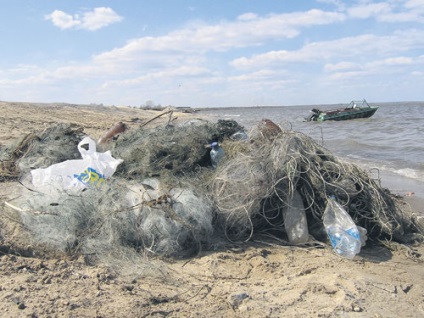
<point>362,234</point>
<point>217,153</point>
<point>341,230</point>
<point>295,221</point>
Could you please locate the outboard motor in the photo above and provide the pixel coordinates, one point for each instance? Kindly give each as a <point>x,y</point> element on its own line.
<point>314,115</point>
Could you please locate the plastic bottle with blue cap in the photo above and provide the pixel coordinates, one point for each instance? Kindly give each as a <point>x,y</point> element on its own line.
<point>343,233</point>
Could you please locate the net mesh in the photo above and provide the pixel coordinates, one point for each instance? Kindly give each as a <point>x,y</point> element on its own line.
<point>166,200</point>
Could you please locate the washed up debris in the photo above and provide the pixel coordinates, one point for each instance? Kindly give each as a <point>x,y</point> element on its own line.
<point>268,128</point>
<point>343,233</point>
<point>295,222</point>
<point>166,199</point>
<point>117,129</point>
<point>170,151</point>
<point>253,189</point>
<point>216,153</point>
<point>75,175</point>
<point>53,145</point>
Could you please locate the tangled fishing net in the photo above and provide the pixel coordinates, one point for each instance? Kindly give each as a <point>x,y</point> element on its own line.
<point>253,190</point>
<point>166,200</point>
<point>53,145</point>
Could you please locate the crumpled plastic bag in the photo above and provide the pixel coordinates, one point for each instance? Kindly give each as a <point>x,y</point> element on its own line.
<point>90,171</point>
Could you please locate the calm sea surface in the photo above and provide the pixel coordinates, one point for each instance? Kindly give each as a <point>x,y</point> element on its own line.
<point>391,140</point>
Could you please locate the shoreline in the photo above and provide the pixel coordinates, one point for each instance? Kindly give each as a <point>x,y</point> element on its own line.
<point>411,190</point>
<point>264,277</point>
<point>86,116</point>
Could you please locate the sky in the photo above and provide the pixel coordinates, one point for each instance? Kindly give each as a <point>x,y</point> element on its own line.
<point>221,53</point>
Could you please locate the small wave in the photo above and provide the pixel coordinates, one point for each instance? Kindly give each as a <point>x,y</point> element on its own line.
<point>410,173</point>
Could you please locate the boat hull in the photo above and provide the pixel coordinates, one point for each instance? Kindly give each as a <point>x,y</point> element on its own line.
<point>343,114</point>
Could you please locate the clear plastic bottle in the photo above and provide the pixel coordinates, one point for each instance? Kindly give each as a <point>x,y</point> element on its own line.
<point>345,243</point>
<point>341,230</point>
<point>217,153</point>
<point>362,234</point>
<point>295,221</point>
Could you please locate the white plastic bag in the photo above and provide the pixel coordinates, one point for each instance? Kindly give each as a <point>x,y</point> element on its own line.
<point>90,171</point>
<point>341,230</point>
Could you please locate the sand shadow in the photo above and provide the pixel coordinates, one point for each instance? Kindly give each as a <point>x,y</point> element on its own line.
<point>375,254</point>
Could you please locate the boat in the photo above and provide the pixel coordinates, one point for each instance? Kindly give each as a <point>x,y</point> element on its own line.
<point>356,109</point>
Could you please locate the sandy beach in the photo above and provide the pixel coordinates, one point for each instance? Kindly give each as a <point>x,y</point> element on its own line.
<point>253,279</point>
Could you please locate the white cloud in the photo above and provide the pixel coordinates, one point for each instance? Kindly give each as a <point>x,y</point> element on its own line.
<point>393,61</point>
<point>415,4</point>
<point>342,66</point>
<point>190,65</point>
<point>400,17</point>
<point>389,11</point>
<point>368,10</point>
<point>258,75</point>
<point>250,30</point>
<point>364,46</point>
<point>91,20</point>
<point>247,16</point>
<point>349,75</point>
<point>99,18</point>
<point>384,68</point>
<point>371,66</point>
<point>338,3</point>
<point>170,74</point>
<point>63,20</point>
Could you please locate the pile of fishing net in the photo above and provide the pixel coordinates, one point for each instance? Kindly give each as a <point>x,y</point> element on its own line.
<point>155,202</point>
<point>165,199</point>
<point>255,187</point>
<point>52,145</point>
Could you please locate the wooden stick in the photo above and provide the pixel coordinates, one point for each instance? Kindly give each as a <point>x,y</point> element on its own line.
<point>152,119</point>
<point>30,211</point>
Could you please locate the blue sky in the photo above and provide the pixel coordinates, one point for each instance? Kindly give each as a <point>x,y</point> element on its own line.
<point>211,53</point>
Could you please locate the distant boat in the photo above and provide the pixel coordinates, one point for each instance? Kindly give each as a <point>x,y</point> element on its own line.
<point>356,109</point>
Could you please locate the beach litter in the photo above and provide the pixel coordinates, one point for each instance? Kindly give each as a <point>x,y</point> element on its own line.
<point>343,233</point>
<point>167,198</point>
<point>78,174</point>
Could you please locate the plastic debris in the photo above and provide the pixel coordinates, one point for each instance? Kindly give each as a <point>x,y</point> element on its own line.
<point>90,171</point>
<point>295,221</point>
<point>217,153</point>
<point>342,231</point>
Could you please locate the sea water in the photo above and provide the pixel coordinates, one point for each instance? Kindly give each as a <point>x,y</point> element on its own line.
<point>390,144</point>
